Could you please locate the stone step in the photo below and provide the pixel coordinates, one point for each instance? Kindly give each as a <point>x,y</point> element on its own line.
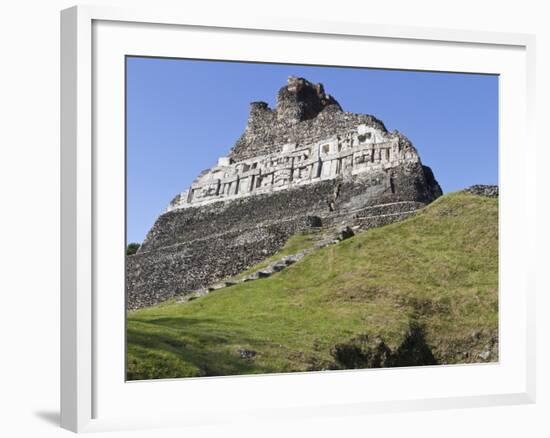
<point>278,267</point>
<point>192,296</point>
<point>251,277</point>
<point>269,270</point>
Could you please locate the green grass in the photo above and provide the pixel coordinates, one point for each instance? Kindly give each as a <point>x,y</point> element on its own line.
<point>437,270</point>
<point>295,244</point>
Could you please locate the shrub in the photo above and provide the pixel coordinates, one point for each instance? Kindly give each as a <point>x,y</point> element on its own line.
<point>132,248</point>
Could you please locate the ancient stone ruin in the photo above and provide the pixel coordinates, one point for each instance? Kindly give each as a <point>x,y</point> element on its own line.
<point>490,191</point>
<point>304,165</point>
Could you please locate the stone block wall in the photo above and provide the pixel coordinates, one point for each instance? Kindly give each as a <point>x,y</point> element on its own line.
<point>303,164</point>
<point>159,274</point>
<point>191,248</point>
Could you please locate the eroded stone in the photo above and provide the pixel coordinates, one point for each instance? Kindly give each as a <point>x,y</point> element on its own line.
<point>303,165</point>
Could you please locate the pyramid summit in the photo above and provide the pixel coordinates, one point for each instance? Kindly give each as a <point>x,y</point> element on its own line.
<point>307,138</point>
<point>304,113</point>
<point>306,164</point>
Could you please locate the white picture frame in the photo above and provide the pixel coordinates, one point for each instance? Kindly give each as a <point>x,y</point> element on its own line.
<point>91,392</point>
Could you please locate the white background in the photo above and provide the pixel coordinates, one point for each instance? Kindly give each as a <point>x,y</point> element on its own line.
<point>29,219</point>
<point>255,395</point>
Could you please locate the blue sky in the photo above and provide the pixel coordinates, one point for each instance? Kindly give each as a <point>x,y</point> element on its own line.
<point>184,114</point>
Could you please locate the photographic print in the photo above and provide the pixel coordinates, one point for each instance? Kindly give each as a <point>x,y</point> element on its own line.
<point>290,218</point>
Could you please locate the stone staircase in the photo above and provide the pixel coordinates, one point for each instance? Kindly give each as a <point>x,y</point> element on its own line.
<point>328,237</point>
<point>343,226</point>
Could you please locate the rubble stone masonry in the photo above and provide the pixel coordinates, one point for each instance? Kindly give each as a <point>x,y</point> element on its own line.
<point>304,164</point>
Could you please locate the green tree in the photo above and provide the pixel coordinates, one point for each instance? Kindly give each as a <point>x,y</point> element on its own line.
<point>132,248</point>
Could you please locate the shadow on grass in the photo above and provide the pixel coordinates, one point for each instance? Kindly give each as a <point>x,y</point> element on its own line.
<point>364,351</point>
<point>173,347</point>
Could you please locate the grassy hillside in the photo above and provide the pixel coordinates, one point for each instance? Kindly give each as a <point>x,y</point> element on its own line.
<point>421,291</point>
